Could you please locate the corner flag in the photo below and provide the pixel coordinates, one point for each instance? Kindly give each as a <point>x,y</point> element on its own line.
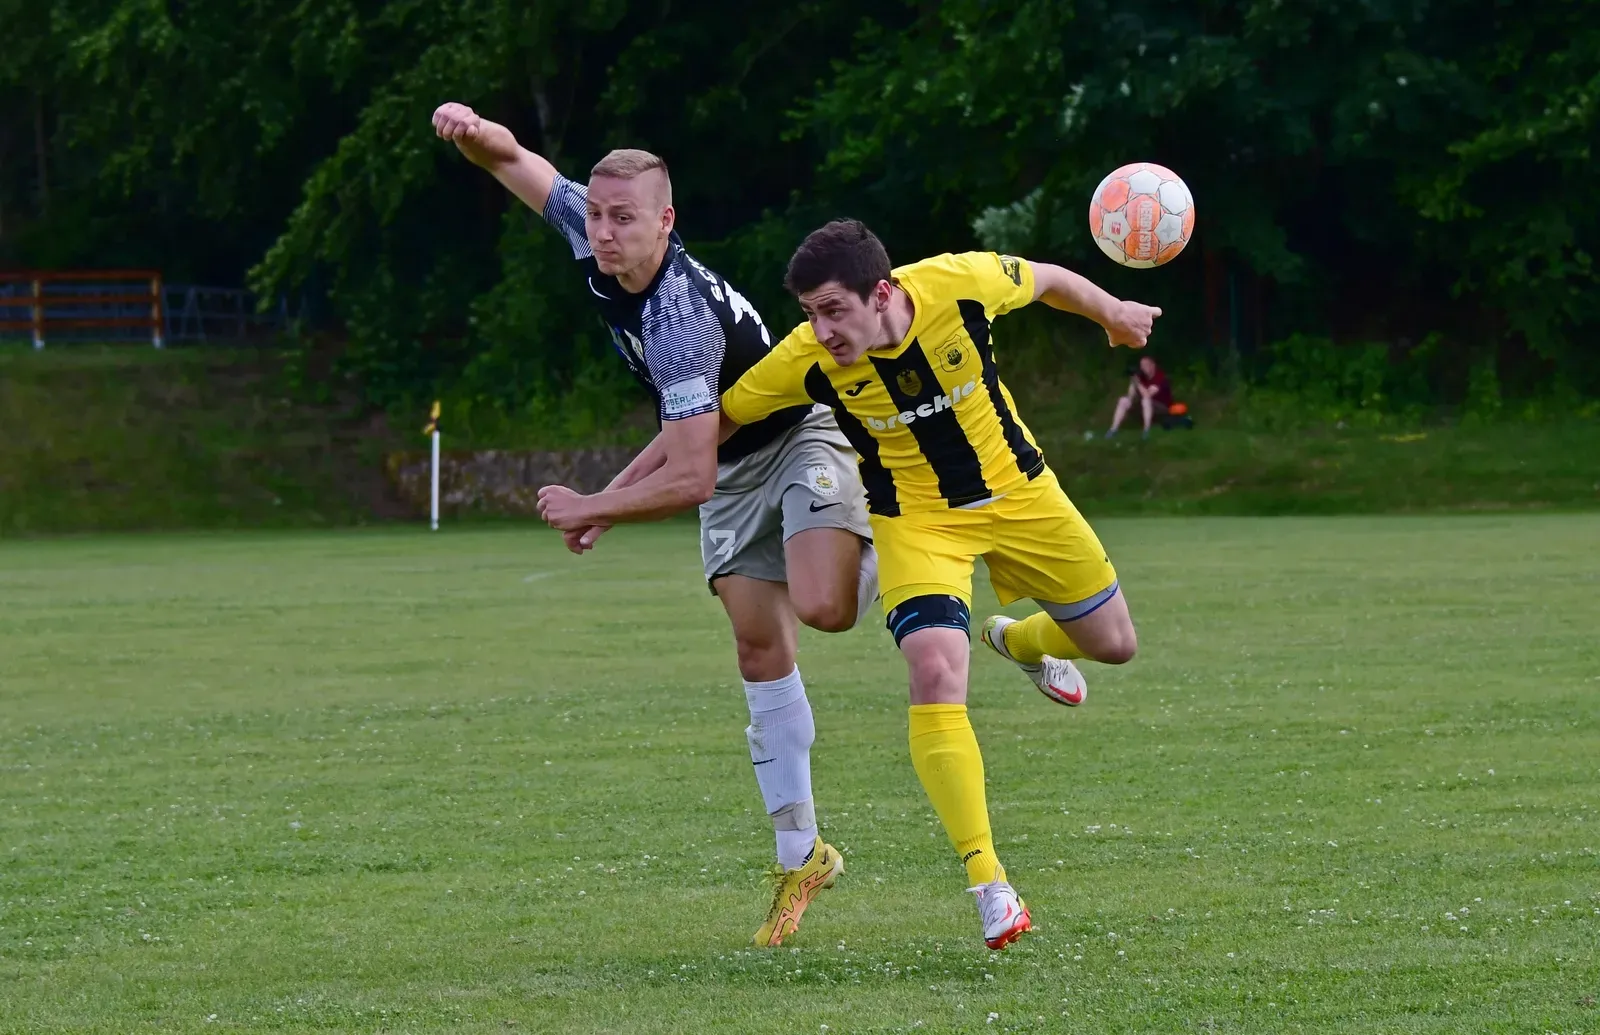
<point>432,430</point>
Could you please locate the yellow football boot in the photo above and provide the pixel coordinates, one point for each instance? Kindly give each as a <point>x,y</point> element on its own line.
<point>793,890</point>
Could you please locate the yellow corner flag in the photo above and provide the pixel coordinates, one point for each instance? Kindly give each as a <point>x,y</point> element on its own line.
<point>433,420</point>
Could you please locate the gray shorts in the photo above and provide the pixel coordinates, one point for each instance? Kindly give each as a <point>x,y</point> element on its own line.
<point>805,479</point>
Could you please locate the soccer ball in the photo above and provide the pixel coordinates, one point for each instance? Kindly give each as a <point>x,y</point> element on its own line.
<point>1142,215</point>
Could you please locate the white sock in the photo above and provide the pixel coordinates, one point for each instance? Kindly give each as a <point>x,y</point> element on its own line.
<point>795,847</point>
<point>781,731</point>
<point>867,584</point>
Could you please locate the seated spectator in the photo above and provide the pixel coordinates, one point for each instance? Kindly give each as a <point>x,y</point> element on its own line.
<point>1152,391</point>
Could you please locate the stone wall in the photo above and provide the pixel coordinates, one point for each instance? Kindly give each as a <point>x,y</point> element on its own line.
<point>496,481</point>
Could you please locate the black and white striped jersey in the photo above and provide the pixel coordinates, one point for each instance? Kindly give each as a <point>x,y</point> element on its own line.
<point>684,337</point>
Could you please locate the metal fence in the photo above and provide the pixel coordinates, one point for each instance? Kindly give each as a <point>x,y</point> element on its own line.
<point>196,313</point>
<point>129,305</point>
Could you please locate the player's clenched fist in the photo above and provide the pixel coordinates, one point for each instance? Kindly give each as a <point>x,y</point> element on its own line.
<point>1130,324</point>
<point>453,121</point>
<point>490,145</point>
<point>563,509</point>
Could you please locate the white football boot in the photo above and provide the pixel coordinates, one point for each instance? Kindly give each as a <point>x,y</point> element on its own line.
<point>1005,916</point>
<point>1057,678</point>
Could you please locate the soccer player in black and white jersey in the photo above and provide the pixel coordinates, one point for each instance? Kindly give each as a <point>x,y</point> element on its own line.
<point>784,532</point>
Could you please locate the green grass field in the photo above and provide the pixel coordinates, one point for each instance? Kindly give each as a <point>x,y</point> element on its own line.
<point>392,781</point>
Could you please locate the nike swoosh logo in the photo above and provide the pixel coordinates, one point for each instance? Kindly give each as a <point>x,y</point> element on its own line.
<point>853,392</point>
<point>1068,695</point>
<point>764,761</point>
<point>825,506</point>
<point>590,282</point>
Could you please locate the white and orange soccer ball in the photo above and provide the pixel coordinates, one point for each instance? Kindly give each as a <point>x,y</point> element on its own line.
<point>1142,215</point>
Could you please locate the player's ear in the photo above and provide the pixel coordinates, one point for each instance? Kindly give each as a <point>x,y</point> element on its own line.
<point>669,219</point>
<point>881,294</point>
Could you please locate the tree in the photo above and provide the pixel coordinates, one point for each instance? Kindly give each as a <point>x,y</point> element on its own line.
<point>1392,168</point>
<point>1375,170</point>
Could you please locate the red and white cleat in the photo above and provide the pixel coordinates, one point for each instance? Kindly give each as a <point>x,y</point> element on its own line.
<point>1005,916</point>
<point>1056,678</point>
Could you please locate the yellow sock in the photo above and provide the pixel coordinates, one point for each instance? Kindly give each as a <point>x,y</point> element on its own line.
<point>1037,635</point>
<point>944,751</point>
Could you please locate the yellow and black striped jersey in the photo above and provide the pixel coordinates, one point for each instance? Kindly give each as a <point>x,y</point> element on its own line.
<point>930,419</point>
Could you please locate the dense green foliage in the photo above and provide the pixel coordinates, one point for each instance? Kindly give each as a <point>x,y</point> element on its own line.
<point>1411,173</point>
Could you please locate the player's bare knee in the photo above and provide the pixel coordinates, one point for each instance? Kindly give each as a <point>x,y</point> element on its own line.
<point>1118,654</point>
<point>933,677</point>
<point>761,661</point>
<point>1118,649</point>
<point>828,615</point>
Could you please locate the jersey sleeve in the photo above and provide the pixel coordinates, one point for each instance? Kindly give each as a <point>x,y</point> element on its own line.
<point>1004,282</point>
<point>566,210</point>
<point>684,344</point>
<point>776,382</point>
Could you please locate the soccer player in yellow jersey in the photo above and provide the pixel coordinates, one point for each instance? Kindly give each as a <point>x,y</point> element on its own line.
<point>905,359</point>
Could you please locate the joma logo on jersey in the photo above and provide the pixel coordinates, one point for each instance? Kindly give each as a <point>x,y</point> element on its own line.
<point>939,404</point>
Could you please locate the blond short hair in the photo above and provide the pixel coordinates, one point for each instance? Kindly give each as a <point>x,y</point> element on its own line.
<point>626,163</point>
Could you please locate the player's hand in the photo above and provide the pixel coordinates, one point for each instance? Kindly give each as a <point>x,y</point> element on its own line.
<point>582,540</point>
<point>1130,324</point>
<point>456,122</point>
<point>563,508</point>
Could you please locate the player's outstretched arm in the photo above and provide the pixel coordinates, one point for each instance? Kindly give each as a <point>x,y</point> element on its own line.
<point>649,460</point>
<point>686,478</point>
<point>1126,323</point>
<point>492,146</point>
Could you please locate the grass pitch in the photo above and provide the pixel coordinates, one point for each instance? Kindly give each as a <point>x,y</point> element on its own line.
<point>400,782</point>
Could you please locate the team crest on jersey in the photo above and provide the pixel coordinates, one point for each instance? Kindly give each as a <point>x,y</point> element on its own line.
<point>910,382</point>
<point>824,479</point>
<point>952,355</point>
<point>1012,267</point>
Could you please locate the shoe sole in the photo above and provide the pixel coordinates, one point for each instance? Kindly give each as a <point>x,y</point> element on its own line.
<point>1023,925</point>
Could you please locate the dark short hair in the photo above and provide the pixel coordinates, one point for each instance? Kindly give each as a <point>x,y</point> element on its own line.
<point>843,250</point>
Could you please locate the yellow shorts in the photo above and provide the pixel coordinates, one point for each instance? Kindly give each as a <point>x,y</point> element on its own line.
<point>1034,540</point>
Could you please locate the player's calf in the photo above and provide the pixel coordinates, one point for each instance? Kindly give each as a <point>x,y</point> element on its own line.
<point>1098,628</point>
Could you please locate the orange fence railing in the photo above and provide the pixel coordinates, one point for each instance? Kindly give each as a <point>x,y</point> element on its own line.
<point>82,300</point>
